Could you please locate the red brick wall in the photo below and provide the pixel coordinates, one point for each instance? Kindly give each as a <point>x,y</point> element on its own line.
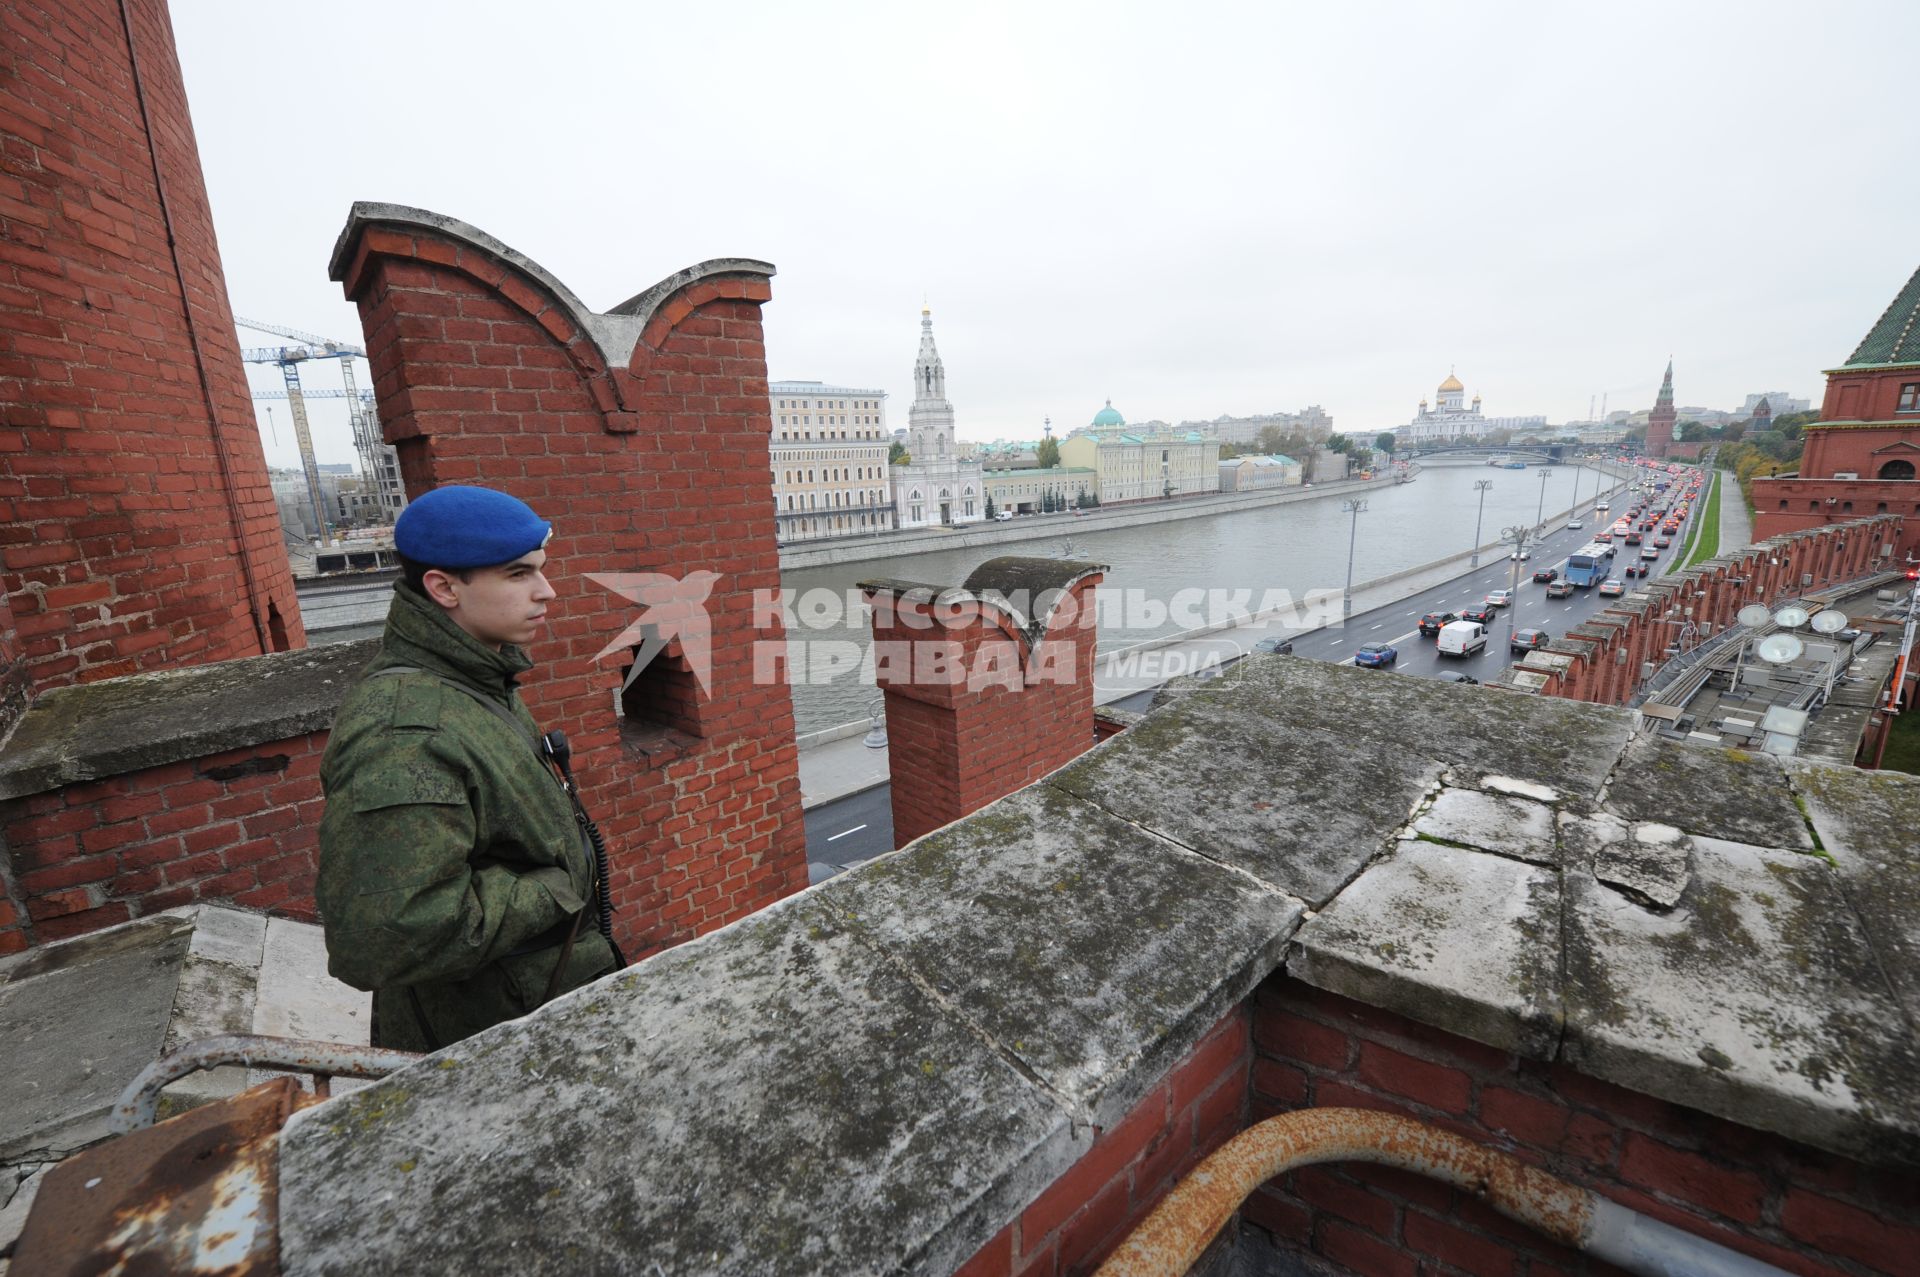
<point>1291,1047</point>
<point>484,375</point>
<point>1860,450</point>
<point>957,743</point>
<point>137,527</point>
<point>234,828</point>
<point>1863,396</point>
<point>1794,505</point>
<point>1070,1228</point>
<point>1607,669</point>
<point>1791,1205</point>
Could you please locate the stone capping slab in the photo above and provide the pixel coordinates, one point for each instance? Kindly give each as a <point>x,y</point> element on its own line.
<point>616,333</point>
<point>1106,953</point>
<point>878,1074</point>
<point>1757,999</point>
<point>1869,824</point>
<point>772,1098</point>
<point>1504,825</point>
<point>1725,793</point>
<point>118,725</point>
<point>1446,935</point>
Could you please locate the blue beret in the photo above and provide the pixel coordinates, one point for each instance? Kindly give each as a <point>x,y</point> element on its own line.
<point>464,527</point>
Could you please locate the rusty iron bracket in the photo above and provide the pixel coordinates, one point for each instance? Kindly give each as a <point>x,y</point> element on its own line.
<point>140,1102</point>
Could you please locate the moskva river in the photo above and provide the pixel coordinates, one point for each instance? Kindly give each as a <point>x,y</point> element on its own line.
<point>1160,573</point>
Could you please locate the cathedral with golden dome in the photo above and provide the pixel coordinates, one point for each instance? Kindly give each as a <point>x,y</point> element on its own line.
<point>1451,418</point>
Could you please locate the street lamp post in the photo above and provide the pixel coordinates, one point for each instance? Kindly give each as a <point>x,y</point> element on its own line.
<point>1541,512</point>
<point>1480,486</point>
<point>1517,536</point>
<point>1575,511</point>
<point>1355,508</point>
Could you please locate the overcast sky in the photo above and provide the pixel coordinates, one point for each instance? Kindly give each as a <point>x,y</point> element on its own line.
<point>1192,210</point>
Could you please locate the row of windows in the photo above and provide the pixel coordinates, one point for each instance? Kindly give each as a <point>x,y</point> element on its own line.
<point>838,475</point>
<point>810,500</point>
<point>806,419</point>
<point>915,511</point>
<point>846,433</point>
<point>801,528</point>
<point>859,405</point>
<point>829,454</point>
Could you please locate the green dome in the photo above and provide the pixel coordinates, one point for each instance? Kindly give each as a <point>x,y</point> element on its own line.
<point>1108,417</point>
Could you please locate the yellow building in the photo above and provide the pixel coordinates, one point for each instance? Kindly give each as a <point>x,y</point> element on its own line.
<point>1021,491</point>
<point>1142,467</point>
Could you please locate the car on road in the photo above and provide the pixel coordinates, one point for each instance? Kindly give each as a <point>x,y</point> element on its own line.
<point>1521,556</point>
<point>1635,569</point>
<point>1548,575</point>
<point>1500,598</point>
<point>1527,640</point>
<point>1574,525</point>
<point>1432,622</point>
<point>1633,538</point>
<point>1456,676</point>
<point>1003,516</point>
<point>1602,508</point>
<point>1462,638</point>
<point>1481,615</point>
<point>1275,643</point>
<point>1661,543</point>
<point>1559,589</point>
<point>1376,656</point>
<point>1613,587</point>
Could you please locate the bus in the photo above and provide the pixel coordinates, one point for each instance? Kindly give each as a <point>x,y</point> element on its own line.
<point>1586,569</point>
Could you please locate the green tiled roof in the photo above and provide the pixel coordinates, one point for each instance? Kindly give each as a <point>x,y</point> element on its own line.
<point>1896,338</point>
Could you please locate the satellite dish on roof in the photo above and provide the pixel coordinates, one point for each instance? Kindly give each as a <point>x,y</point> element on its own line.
<point>1831,621</point>
<point>1791,617</point>
<point>1754,615</point>
<point>1778,649</point>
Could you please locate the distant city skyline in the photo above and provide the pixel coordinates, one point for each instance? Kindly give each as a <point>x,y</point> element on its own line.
<point>1242,209</point>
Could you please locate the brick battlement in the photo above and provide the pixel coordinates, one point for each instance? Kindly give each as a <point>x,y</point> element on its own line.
<point>1603,659</point>
<point>121,798</point>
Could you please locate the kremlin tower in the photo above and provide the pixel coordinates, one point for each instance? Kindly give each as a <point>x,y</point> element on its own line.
<point>1660,422</point>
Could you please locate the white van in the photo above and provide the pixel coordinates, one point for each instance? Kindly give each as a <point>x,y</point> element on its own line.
<point>1462,638</point>
<point>1003,516</point>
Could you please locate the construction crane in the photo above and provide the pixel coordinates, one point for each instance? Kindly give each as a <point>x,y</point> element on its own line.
<point>366,433</point>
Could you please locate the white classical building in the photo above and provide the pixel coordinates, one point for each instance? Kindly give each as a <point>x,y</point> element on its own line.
<point>1451,418</point>
<point>935,487</point>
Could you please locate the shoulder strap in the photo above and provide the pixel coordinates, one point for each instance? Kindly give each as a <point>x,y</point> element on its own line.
<point>498,710</point>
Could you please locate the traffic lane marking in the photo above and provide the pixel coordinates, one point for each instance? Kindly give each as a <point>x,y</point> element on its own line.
<point>844,832</point>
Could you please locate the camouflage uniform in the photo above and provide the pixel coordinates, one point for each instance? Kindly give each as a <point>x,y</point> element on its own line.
<point>451,867</point>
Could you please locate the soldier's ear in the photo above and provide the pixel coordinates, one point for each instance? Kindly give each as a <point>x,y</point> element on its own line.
<point>439,587</point>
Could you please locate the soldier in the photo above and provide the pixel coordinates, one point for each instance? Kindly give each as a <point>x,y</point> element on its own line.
<point>455,882</point>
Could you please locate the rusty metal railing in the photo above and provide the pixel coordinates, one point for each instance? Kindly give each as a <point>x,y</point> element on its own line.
<point>1171,1239</point>
<point>140,1102</point>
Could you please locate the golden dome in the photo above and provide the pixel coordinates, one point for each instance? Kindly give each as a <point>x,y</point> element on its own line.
<point>1451,383</point>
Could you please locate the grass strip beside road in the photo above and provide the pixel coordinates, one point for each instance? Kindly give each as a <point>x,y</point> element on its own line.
<point>1704,541</point>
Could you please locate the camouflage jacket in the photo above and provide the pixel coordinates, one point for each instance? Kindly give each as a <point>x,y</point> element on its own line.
<point>451,866</point>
